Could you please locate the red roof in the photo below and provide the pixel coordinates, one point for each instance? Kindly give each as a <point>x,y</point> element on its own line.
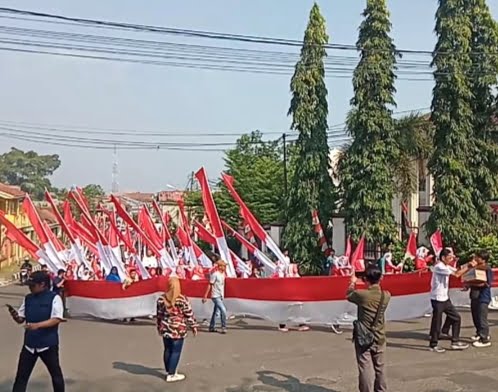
<point>12,190</point>
<point>165,196</point>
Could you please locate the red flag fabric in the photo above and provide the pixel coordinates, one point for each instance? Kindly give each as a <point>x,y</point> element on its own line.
<point>145,222</point>
<point>35,220</point>
<point>127,218</point>
<point>68,214</point>
<point>204,234</point>
<point>250,247</point>
<point>252,221</point>
<point>214,219</point>
<point>437,242</point>
<point>87,221</point>
<point>411,246</point>
<point>347,253</point>
<point>358,258</point>
<point>17,236</point>
<point>59,246</point>
<point>65,228</point>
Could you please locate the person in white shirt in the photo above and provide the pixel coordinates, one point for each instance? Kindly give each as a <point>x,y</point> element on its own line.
<point>441,302</point>
<point>149,261</point>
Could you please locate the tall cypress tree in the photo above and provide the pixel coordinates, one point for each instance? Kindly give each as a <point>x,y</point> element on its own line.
<point>452,114</point>
<point>483,78</point>
<point>311,186</point>
<point>366,173</point>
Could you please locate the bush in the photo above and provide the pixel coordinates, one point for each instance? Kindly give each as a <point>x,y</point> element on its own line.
<point>489,243</point>
<point>399,250</point>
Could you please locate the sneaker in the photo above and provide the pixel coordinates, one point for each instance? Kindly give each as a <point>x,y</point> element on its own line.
<point>175,377</point>
<point>223,331</point>
<point>437,349</point>
<point>283,329</point>
<point>481,344</point>
<point>475,338</point>
<point>213,330</point>
<point>459,346</point>
<point>303,328</point>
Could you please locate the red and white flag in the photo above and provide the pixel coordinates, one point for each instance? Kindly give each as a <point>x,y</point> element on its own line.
<point>17,236</point>
<point>189,248</point>
<point>165,232</point>
<point>214,219</point>
<point>76,252</point>
<point>40,231</point>
<point>437,242</point>
<point>252,221</point>
<point>317,227</point>
<point>411,247</point>
<point>358,258</point>
<point>347,253</point>
<point>251,248</point>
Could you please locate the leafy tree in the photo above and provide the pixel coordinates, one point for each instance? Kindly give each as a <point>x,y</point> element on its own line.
<point>483,79</point>
<point>257,169</point>
<point>452,114</point>
<point>311,185</point>
<point>366,173</point>
<point>29,170</point>
<point>94,194</point>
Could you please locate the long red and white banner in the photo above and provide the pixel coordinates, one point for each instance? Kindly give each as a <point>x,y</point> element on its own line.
<point>311,300</point>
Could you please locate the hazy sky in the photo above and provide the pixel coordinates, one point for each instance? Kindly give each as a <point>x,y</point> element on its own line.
<point>79,92</point>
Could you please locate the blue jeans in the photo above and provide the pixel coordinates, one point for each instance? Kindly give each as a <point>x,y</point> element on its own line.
<point>172,351</point>
<point>219,309</point>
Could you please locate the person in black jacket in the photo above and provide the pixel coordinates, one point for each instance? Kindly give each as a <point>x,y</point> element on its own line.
<point>41,312</point>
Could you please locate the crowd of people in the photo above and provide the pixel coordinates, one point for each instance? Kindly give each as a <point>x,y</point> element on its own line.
<point>43,310</point>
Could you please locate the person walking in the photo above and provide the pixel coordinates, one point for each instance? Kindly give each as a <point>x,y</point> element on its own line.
<point>42,312</point>
<point>441,303</point>
<point>217,289</point>
<point>174,317</point>
<point>369,334</point>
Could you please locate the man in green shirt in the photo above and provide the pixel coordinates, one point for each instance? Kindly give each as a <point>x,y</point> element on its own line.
<point>370,360</point>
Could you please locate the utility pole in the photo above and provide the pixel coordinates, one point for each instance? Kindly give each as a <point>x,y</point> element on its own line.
<point>285,162</point>
<point>115,172</point>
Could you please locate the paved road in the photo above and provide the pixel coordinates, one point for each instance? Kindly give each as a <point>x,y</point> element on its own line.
<point>253,357</point>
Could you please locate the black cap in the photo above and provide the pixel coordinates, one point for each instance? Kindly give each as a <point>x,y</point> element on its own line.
<point>39,277</point>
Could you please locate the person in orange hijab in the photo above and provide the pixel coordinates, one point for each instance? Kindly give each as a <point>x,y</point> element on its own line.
<point>174,317</point>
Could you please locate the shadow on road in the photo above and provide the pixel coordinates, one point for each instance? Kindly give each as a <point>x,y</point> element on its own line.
<point>289,383</point>
<point>138,370</point>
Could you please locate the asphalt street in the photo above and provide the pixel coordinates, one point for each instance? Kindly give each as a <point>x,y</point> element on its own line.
<point>253,356</point>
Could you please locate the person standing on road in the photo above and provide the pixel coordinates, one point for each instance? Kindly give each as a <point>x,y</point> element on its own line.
<point>174,317</point>
<point>217,289</point>
<point>372,304</point>
<point>480,298</point>
<point>42,311</point>
<point>441,302</point>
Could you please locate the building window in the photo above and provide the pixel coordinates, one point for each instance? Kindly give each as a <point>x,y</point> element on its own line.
<point>422,184</point>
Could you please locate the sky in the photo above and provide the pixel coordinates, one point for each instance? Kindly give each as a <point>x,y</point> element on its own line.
<point>100,94</point>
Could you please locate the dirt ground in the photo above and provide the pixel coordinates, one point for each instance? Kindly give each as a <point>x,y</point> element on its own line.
<point>253,356</point>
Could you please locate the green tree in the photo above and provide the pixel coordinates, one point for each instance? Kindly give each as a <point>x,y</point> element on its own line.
<point>483,78</point>
<point>257,168</point>
<point>367,178</point>
<point>311,185</point>
<point>94,194</point>
<point>452,114</point>
<point>29,170</point>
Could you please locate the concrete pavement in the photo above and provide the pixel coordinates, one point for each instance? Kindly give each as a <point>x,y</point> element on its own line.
<point>252,357</point>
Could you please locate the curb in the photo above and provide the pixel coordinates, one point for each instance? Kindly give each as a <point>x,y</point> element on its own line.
<point>16,276</point>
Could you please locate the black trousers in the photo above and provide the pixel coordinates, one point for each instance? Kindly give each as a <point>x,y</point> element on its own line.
<point>27,362</point>
<point>480,319</point>
<point>453,321</point>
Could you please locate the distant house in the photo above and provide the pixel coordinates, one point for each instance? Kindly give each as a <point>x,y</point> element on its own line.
<point>167,200</point>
